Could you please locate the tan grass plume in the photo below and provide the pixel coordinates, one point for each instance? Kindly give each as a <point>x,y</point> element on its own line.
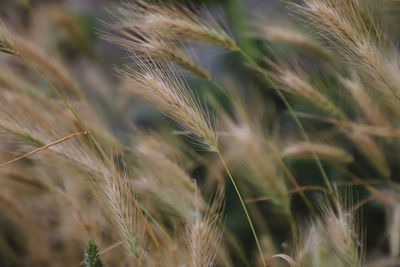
<point>169,93</point>
<point>175,23</point>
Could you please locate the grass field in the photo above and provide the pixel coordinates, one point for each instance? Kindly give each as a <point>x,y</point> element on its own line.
<point>215,133</point>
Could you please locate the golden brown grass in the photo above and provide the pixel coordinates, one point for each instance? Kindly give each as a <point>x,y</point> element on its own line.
<point>75,169</point>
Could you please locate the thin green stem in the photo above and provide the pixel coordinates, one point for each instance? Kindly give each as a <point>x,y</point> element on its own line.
<point>307,138</point>
<point>43,148</point>
<point>230,239</point>
<point>82,125</point>
<point>243,206</point>
<point>55,91</point>
<point>296,185</point>
<point>292,113</point>
<point>219,87</point>
<point>306,200</point>
<point>292,224</point>
<point>290,176</point>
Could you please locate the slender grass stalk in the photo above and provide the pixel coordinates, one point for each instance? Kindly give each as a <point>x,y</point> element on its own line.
<point>292,179</point>
<point>55,91</point>
<point>296,185</point>
<point>82,125</point>
<point>219,87</point>
<point>291,221</point>
<point>288,214</point>
<point>71,136</point>
<point>230,238</point>
<point>64,100</point>
<point>243,206</point>
<point>292,113</point>
<point>293,191</point>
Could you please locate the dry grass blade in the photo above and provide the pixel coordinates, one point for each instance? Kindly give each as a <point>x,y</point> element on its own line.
<point>44,147</point>
<point>296,82</point>
<point>378,131</point>
<point>289,35</point>
<point>368,147</point>
<point>324,151</point>
<point>368,107</point>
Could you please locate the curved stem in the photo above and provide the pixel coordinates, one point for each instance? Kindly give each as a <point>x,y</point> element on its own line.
<point>81,124</point>
<point>43,147</point>
<point>95,144</point>
<point>243,206</point>
<point>55,91</point>
<point>292,113</point>
<point>219,87</point>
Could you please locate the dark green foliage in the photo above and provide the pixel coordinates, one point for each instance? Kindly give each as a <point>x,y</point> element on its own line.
<point>92,257</point>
